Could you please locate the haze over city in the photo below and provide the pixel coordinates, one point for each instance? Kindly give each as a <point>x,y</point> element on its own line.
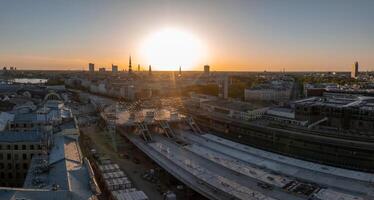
<point>237,35</point>
<point>187,100</point>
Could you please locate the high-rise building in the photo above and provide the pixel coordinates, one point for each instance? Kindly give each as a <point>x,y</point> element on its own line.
<point>91,67</point>
<point>354,72</point>
<point>150,70</point>
<point>224,87</point>
<point>206,69</point>
<point>180,71</point>
<point>130,67</point>
<point>138,67</point>
<point>114,68</point>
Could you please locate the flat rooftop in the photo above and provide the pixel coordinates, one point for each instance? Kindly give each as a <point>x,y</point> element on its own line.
<point>232,105</point>
<point>242,172</point>
<point>359,102</point>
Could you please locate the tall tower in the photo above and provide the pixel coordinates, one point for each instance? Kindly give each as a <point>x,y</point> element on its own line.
<point>206,69</point>
<point>354,72</point>
<point>130,67</point>
<point>180,71</point>
<point>91,67</point>
<point>138,67</point>
<point>150,70</point>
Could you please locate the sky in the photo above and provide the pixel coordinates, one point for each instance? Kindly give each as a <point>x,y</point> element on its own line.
<point>237,35</point>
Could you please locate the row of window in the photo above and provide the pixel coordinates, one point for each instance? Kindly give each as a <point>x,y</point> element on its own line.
<point>10,175</point>
<point>21,147</point>
<point>16,156</point>
<point>16,166</point>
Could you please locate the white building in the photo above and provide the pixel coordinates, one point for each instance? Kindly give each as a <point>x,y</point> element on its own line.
<point>278,95</point>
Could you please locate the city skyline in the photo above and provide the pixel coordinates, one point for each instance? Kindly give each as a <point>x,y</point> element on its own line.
<point>239,36</point>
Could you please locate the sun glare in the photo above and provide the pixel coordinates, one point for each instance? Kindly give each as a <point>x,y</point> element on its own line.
<point>170,48</point>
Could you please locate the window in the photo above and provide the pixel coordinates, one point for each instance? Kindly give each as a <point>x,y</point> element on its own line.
<point>24,165</point>
<point>23,147</point>
<point>24,156</point>
<point>16,147</point>
<point>8,147</point>
<point>1,165</point>
<point>1,147</point>
<point>9,165</point>
<point>16,156</point>
<point>32,147</point>
<point>9,156</point>
<point>17,165</point>
<point>1,156</point>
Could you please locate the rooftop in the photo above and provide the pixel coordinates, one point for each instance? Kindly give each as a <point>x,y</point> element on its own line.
<point>61,174</point>
<point>361,102</point>
<point>13,137</point>
<point>233,105</point>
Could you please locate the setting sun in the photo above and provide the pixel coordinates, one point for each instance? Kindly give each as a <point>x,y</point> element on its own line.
<point>170,48</point>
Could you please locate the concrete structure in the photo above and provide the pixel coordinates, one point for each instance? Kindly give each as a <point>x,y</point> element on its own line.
<point>354,72</point>
<point>91,67</point>
<point>303,138</point>
<point>221,169</point>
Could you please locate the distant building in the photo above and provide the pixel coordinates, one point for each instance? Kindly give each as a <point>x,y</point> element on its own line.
<point>114,68</point>
<point>150,70</point>
<point>102,69</point>
<point>91,67</point>
<point>277,91</point>
<point>224,87</point>
<point>354,72</point>
<point>232,109</point>
<point>130,67</point>
<point>348,113</point>
<point>206,69</point>
<point>317,89</point>
<point>127,92</point>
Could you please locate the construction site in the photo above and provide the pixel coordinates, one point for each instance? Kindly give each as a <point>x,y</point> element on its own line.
<point>212,167</point>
